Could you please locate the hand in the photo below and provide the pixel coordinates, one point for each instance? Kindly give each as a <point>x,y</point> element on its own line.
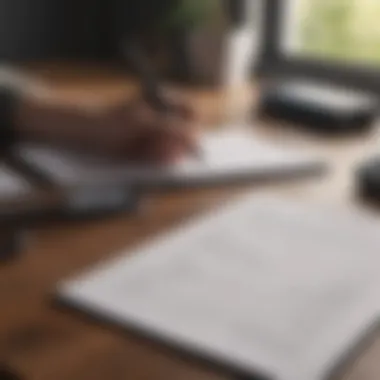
<point>145,135</point>
<point>130,130</point>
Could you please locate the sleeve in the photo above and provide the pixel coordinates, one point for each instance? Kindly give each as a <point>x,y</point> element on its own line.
<point>15,84</point>
<point>12,84</point>
<point>7,132</point>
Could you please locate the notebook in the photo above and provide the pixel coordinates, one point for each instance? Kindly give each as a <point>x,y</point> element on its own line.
<point>226,156</point>
<point>264,287</point>
<point>12,185</point>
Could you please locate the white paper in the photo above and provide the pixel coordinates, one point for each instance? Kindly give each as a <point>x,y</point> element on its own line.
<point>225,155</point>
<point>12,184</point>
<point>280,288</point>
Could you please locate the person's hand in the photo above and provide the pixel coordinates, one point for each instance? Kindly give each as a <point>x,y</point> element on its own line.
<point>140,133</point>
<point>130,130</point>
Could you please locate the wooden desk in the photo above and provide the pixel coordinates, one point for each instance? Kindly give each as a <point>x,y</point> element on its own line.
<point>44,343</point>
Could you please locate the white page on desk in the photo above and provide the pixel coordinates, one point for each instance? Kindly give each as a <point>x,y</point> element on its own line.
<point>263,285</point>
<point>12,184</point>
<point>224,154</point>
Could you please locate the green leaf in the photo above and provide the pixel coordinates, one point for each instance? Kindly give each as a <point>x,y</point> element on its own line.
<point>189,13</point>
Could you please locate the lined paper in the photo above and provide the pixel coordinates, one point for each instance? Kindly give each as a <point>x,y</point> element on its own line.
<point>268,286</point>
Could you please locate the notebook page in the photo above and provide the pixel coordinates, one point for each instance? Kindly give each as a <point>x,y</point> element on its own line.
<point>263,285</point>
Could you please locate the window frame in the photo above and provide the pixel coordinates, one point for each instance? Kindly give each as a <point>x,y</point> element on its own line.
<point>275,62</point>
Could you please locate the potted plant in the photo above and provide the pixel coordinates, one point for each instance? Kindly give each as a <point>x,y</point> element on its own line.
<point>194,30</point>
<point>189,14</point>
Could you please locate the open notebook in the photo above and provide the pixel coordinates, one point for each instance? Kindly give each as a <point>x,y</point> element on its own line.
<point>226,156</point>
<point>272,288</point>
<point>12,185</point>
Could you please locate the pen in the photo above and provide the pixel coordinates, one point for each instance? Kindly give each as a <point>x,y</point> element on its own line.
<point>152,91</point>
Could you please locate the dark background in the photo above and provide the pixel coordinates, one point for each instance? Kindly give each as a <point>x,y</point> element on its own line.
<point>38,29</point>
<point>77,29</point>
<point>71,29</point>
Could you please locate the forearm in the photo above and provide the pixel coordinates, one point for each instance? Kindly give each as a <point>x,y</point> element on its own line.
<point>13,85</point>
<point>36,120</point>
<point>29,110</point>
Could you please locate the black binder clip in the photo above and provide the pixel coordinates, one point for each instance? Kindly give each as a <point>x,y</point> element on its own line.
<point>7,374</point>
<point>11,242</point>
<point>368,180</point>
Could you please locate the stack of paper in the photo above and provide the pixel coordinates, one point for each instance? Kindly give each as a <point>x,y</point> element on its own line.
<point>225,156</point>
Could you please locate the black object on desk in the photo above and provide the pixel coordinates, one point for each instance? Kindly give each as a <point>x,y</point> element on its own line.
<point>7,374</point>
<point>323,108</point>
<point>15,190</point>
<point>15,217</point>
<point>11,244</point>
<point>368,180</point>
<point>80,203</point>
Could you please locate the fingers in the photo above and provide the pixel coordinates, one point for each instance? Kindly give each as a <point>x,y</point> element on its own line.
<point>165,148</point>
<point>185,138</point>
<point>161,138</point>
<point>181,105</point>
<point>163,142</point>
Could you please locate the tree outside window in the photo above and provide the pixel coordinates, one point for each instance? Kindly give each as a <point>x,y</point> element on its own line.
<point>341,30</point>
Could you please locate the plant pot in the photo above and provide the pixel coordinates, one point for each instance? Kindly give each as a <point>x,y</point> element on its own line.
<point>196,56</point>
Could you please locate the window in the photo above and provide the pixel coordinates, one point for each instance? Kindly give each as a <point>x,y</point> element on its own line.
<point>332,30</point>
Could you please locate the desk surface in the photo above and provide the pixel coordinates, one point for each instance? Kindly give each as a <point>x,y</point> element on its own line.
<point>44,343</point>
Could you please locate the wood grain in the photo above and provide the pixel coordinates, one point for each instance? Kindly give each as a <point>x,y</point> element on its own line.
<point>43,342</point>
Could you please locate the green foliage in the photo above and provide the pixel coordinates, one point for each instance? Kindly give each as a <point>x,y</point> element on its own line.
<point>341,29</point>
<point>189,14</point>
